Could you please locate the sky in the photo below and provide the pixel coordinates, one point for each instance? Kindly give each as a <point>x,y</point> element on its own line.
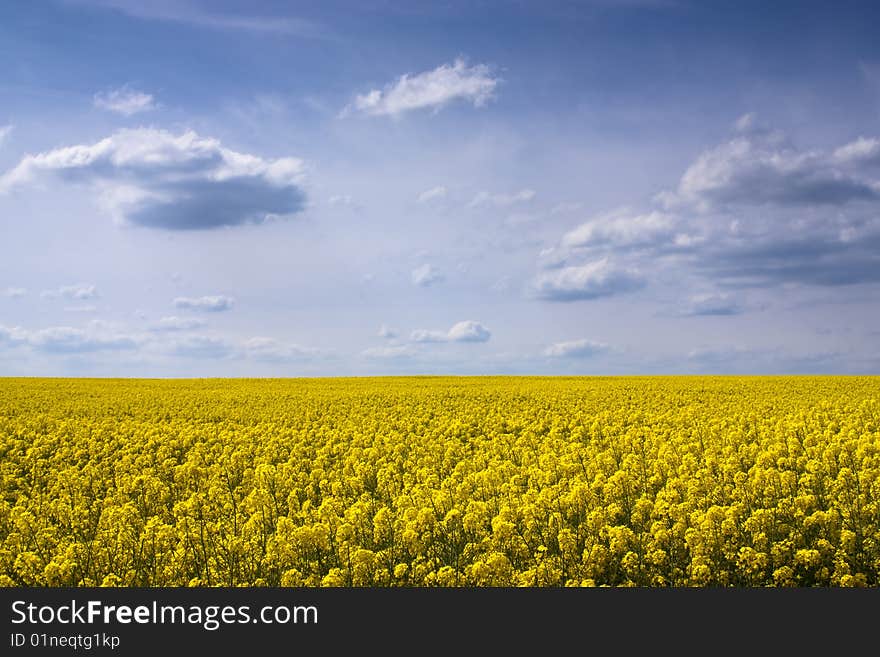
<point>194,188</point>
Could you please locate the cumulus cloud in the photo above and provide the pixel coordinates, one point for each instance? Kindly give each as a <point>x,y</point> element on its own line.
<point>426,275</point>
<point>78,292</point>
<point>502,200</point>
<point>754,211</point>
<point>622,229</point>
<point>466,331</point>
<point>13,292</point>
<point>763,168</point>
<point>433,194</point>
<point>273,351</point>
<point>592,280</point>
<point>575,349</point>
<point>211,304</point>
<point>125,101</point>
<point>429,90</point>
<point>154,178</point>
<point>174,323</point>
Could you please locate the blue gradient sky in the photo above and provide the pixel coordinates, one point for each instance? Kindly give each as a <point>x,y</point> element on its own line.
<point>335,188</point>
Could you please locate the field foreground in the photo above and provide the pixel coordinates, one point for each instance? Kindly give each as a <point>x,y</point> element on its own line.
<point>652,481</point>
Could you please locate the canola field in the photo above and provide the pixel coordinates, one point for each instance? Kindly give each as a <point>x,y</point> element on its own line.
<point>432,481</point>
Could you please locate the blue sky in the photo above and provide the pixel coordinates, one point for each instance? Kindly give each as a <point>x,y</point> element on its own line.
<point>196,188</point>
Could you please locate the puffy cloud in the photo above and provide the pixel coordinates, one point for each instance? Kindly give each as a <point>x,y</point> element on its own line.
<point>273,351</point>
<point>583,282</point>
<point>386,332</point>
<point>433,194</point>
<point>576,349</point>
<point>79,292</point>
<point>466,331</point>
<point>173,323</point>
<point>211,304</point>
<point>13,292</point>
<point>502,200</point>
<point>622,229</point>
<point>426,275</point>
<point>752,211</point>
<point>125,101</point>
<point>154,178</point>
<point>760,167</point>
<point>432,89</point>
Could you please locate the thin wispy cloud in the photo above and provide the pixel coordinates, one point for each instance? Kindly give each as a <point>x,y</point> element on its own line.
<point>125,101</point>
<point>576,349</point>
<point>204,15</point>
<point>212,304</point>
<point>78,292</point>
<point>426,275</point>
<point>502,200</point>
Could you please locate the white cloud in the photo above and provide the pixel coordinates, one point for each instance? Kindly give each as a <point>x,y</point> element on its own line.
<point>274,351</point>
<point>154,178</point>
<point>69,340</point>
<point>433,194</point>
<point>621,228</point>
<point>190,13</point>
<point>13,292</point>
<point>502,200</point>
<point>125,101</point>
<point>432,89</point>
<point>426,275</point>
<point>466,331</point>
<point>589,281</point>
<point>389,353</point>
<point>386,332</point>
<point>173,323</point>
<point>5,131</point>
<point>213,304</point>
<point>575,349</point>
<point>469,331</point>
<point>862,151</point>
<point>760,167</point>
<point>78,292</point>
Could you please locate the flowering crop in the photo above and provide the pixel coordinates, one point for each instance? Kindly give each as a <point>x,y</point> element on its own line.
<point>649,481</point>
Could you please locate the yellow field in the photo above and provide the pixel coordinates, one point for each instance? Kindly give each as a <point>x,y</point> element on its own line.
<point>441,481</point>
